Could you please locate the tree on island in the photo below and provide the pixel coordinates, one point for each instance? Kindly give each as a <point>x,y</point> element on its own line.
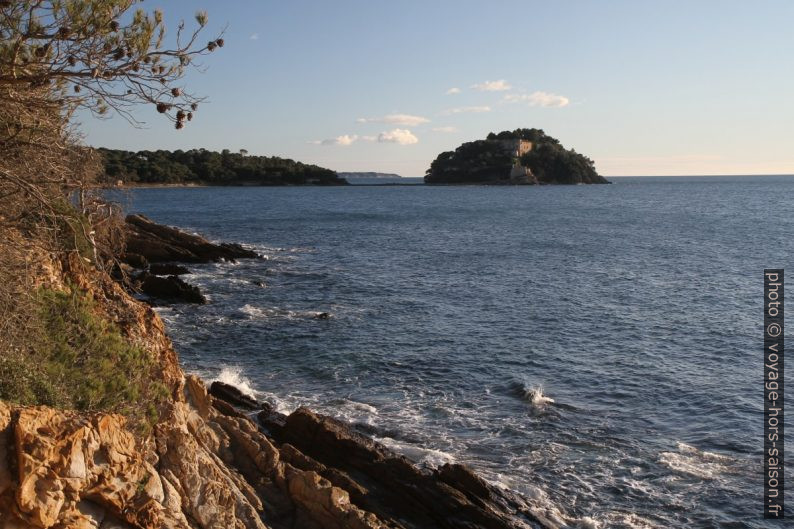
<point>489,161</point>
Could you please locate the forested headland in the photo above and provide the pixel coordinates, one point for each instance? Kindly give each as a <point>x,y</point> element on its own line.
<point>204,167</point>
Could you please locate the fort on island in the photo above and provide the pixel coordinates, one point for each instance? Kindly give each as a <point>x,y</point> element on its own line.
<point>516,148</point>
<point>522,156</point>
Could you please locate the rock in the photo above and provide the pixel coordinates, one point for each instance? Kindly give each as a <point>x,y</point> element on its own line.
<point>77,471</point>
<point>396,489</point>
<point>170,288</point>
<point>159,243</point>
<point>167,269</point>
<point>270,419</point>
<point>329,506</point>
<point>233,396</point>
<point>135,260</point>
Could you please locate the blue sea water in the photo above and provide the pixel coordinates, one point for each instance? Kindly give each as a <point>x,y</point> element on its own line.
<point>597,348</point>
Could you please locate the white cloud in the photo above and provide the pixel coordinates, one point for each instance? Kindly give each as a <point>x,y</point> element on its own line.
<point>445,129</point>
<point>344,140</point>
<point>254,36</point>
<point>467,110</point>
<point>539,99</point>
<point>492,86</point>
<point>405,120</point>
<point>400,136</point>
<point>453,90</point>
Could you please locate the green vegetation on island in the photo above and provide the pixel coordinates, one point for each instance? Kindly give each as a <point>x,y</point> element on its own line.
<point>203,167</point>
<point>522,156</point>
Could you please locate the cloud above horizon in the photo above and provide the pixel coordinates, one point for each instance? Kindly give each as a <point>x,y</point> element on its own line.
<point>539,99</point>
<point>398,136</point>
<point>445,129</point>
<point>453,90</point>
<point>254,36</point>
<point>344,140</point>
<point>492,86</point>
<point>406,120</point>
<point>467,110</point>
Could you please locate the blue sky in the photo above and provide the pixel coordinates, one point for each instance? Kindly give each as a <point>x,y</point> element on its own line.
<point>642,87</point>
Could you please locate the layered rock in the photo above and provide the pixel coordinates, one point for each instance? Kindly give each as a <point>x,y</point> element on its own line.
<point>156,243</point>
<point>209,466</point>
<point>155,249</point>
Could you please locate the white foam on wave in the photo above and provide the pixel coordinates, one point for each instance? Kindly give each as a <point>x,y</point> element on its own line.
<point>550,514</point>
<point>252,311</point>
<point>233,376</point>
<point>256,313</point>
<point>536,397</point>
<point>587,522</point>
<point>694,462</point>
<point>428,456</point>
<point>621,520</point>
<point>352,411</point>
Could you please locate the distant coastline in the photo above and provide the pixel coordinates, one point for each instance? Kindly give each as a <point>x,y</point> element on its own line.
<point>369,174</point>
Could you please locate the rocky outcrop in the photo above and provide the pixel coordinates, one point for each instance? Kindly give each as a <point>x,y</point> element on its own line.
<point>233,396</point>
<point>157,243</point>
<point>154,249</point>
<point>63,469</point>
<point>170,288</point>
<point>205,467</point>
<point>208,463</point>
<point>393,487</point>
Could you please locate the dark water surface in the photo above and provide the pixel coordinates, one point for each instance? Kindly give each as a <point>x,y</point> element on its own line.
<point>598,348</point>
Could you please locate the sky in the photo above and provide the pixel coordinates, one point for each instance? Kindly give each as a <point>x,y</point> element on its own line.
<point>642,87</point>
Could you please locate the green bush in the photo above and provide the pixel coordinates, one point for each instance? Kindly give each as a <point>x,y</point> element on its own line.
<point>79,360</point>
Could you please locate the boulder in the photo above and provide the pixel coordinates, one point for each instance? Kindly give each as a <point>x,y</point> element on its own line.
<point>170,288</point>
<point>233,396</point>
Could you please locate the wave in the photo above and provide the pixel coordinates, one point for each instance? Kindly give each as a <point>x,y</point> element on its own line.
<point>536,397</point>
<point>617,520</point>
<point>255,313</point>
<point>233,376</point>
<point>697,463</point>
<point>426,456</point>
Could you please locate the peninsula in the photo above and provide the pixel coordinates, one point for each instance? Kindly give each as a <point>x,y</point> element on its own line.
<point>204,167</point>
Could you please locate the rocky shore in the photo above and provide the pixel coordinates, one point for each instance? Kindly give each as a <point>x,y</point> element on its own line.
<point>148,264</point>
<point>217,458</point>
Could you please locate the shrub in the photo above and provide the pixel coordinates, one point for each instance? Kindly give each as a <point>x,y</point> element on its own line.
<point>80,360</point>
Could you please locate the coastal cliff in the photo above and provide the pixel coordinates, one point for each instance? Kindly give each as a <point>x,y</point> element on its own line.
<point>215,459</point>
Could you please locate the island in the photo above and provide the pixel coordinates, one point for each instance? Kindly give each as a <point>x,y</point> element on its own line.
<point>204,167</point>
<point>519,157</point>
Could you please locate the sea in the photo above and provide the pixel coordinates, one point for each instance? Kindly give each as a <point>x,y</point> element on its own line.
<point>598,349</point>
